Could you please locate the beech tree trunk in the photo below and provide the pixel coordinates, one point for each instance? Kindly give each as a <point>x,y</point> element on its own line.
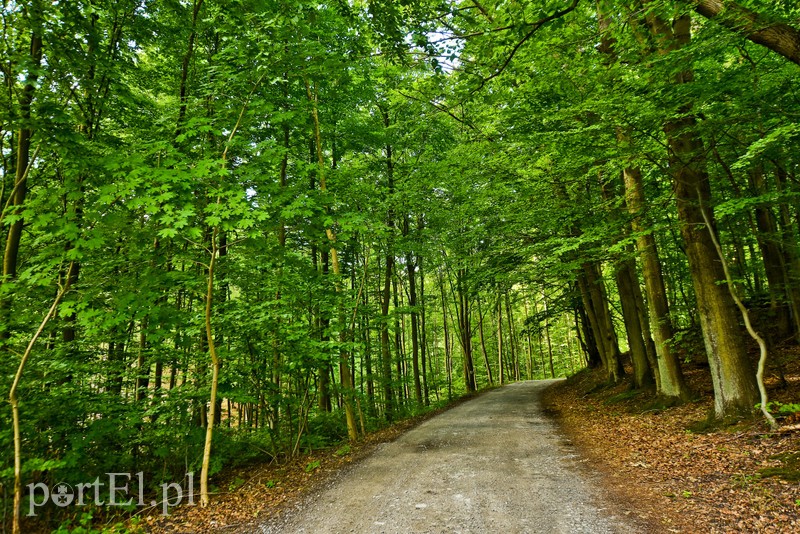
<point>734,381</point>
<point>465,330</point>
<point>731,371</point>
<point>20,190</point>
<point>769,243</point>
<point>671,382</point>
<point>792,256</point>
<point>483,345</point>
<point>412,302</point>
<point>605,334</point>
<point>386,294</point>
<point>591,319</point>
<point>386,351</point>
<point>625,276</point>
<point>423,349</point>
<point>511,340</point>
<point>344,363</point>
<point>500,372</point>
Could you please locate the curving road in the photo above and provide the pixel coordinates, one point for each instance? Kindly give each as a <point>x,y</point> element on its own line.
<point>493,464</point>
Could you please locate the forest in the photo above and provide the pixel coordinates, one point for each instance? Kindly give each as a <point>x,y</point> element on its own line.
<point>242,229</point>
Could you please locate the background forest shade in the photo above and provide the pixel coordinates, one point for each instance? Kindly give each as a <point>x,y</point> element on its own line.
<point>404,201</point>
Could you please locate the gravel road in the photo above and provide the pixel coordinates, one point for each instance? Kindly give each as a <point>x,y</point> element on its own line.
<point>495,464</point>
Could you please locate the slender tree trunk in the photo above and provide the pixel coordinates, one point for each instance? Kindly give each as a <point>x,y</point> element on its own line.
<point>448,346</point>
<point>14,401</point>
<point>386,353</point>
<point>625,276</point>
<point>402,392</point>
<point>671,382</point>
<point>277,357</point>
<point>588,345</point>
<point>212,350</point>
<point>626,279</point>
<point>500,370</point>
<point>424,345</point>
<point>324,398</point>
<point>511,341</point>
<point>22,168</point>
<point>412,302</point>
<point>483,345</point>
<point>769,243</point>
<point>529,348</point>
<point>142,365</point>
<point>344,364</point>
<point>605,334</point>
<point>569,346</point>
<point>367,340</point>
<point>185,65</point>
<point>465,329</point>
<point>791,251</point>
<point>659,357</point>
<point>387,288</point>
<point>547,334</point>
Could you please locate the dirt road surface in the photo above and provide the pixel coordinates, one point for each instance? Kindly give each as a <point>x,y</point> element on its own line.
<point>495,464</point>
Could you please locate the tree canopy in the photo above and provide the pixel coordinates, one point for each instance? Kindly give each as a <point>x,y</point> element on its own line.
<point>272,226</point>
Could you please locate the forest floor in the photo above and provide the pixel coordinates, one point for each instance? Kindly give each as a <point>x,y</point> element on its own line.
<point>674,472</point>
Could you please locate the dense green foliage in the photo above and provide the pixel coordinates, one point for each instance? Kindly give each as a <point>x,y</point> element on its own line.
<point>467,171</point>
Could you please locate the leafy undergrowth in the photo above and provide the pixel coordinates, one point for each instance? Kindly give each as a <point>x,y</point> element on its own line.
<point>739,478</point>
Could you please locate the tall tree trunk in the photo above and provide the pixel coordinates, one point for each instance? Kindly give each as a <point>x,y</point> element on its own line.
<point>412,302</point>
<point>277,357</point>
<point>547,335</point>
<point>626,280</point>
<point>791,249</point>
<point>483,344</point>
<point>324,400</point>
<point>671,382</point>
<point>400,361</point>
<point>344,364</point>
<point>212,350</point>
<point>465,329</point>
<point>511,341</point>
<point>14,401</point>
<point>423,352</point>
<point>528,346</point>
<point>185,65</point>
<point>605,334</point>
<point>731,372</point>
<point>769,243</point>
<point>142,364</point>
<point>22,168</point>
<point>386,352</point>
<point>367,340</point>
<point>386,357</point>
<point>625,276</point>
<point>500,370</point>
<point>447,345</point>
<point>582,325</point>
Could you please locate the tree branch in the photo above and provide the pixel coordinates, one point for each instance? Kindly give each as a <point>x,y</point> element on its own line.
<point>536,26</point>
<point>777,36</point>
